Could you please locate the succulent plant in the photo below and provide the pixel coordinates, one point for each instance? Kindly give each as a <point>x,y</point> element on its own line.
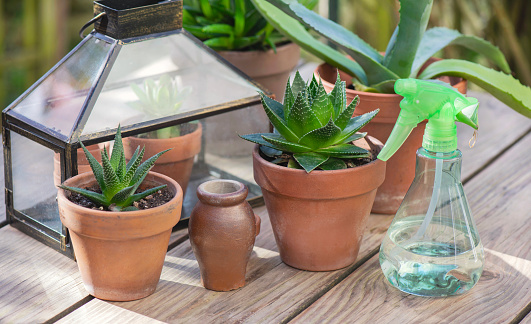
<point>160,99</point>
<point>118,181</point>
<point>315,127</point>
<point>410,46</point>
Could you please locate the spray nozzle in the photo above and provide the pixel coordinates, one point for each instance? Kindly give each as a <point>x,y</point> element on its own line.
<point>441,104</point>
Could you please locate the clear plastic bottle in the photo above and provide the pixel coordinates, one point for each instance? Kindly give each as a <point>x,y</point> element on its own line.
<point>432,248</point>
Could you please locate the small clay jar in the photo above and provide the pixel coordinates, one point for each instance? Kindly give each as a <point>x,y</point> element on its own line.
<point>222,230</point>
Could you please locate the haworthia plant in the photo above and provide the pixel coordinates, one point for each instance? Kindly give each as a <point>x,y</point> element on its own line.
<point>118,181</point>
<point>409,48</point>
<point>316,128</point>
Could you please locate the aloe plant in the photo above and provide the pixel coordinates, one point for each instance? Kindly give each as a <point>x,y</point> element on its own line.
<point>410,46</point>
<point>314,128</point>
<point>231,25</point>
<point>160,99</point>
<point>118,181</point>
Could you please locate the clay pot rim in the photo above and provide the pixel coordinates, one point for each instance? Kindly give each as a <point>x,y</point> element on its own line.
<point>365,93</point>
<point>172,139</point>
<point>282,48</point>
<point>315,173</point>
<point>142,213</point>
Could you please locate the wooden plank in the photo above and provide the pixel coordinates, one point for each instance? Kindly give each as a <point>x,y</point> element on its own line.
<point>272,293</point>
<point>36,282</point>
<point>499,198</point>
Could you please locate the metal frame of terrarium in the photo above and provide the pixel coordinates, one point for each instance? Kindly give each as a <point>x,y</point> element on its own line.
<point>67,146</point>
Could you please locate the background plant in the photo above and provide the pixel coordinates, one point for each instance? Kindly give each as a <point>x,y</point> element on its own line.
<point>314,128</point>
<point>160,99</point>
<point>118,181</point>
<point>231,24</point>
<point>410,46</point>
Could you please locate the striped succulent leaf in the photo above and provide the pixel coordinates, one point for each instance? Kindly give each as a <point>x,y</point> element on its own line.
<point>316,127</point>
<point>118,181</point>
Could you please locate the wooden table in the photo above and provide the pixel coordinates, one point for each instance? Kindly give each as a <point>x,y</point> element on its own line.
<point>38,284</point>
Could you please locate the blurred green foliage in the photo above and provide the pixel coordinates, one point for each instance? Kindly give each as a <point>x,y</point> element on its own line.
<point>505,23</point>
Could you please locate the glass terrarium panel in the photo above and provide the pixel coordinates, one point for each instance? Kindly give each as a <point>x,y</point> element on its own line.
<point>34,191</point>
<point>57,100</point>
<point>162,77</point>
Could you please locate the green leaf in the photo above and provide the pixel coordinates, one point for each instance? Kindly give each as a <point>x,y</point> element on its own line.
<point>112,183</point>
<point>96,167</point>
<point>271,152</point>
<point>343,119</point>
<point>132,166</point>
<point>321,106</point>
<point>435,39</point>
<point>239,17</point>
<point>299,35</point>
<point>356,124</point>
<point>206,9</point>
<point>284,145</point>
<point>258,139</point>
<point>354,137</point>
<point>274,105</point>
<point>338,97</point>
<point>298,84</point>
<point>310,160</point>
<point>344,151</point>
<point>292,164</point>
<point>117,149</point>
<point>146,166</point>
<point>322,137</point>
<point>333,164</point>
<point>289,99</point>
<point>414,16</point>
<point>220,43</point>
<point>122,195</point>
<point>502,86</point>
<point>277,121</point>
<point>301,118</point>
<point>94,196</point>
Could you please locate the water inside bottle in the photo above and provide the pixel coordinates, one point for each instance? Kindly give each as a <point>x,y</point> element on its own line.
<point>447,260</point>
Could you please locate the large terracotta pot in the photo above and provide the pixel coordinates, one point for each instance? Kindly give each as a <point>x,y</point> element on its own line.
<point>120,254</point>
<point>318,218</point>
<point>222,231</point>
<point>176,163</point>
<point>268,69</point>
<point>401,166</point>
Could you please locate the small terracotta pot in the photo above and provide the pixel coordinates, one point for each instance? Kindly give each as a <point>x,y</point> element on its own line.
<point>82,162</point>
<point>176,163</point>
<point>268,68</point>
<point>318,218</point>
<point>401,166</point>
<point>120,254</point>
<point>222,231</point>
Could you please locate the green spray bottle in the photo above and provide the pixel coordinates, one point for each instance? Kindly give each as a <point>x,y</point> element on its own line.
<point>432,248</point>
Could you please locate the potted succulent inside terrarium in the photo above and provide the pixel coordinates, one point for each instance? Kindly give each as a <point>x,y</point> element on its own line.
<point>371,75</point>
<point>318,174</point>
<point>120,218</point>
<point>162,98</point>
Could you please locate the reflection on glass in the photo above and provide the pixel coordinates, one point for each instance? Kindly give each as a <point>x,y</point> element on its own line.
<point>34,192</point>
<point>204,81</point>
<point>57,101</point>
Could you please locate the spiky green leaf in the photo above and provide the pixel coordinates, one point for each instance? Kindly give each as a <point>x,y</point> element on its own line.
<point>502,86</point>
<point>414,16</point>
<point>96,167</point>
<point>321,106</point>
<point>435,39</point>
<point>94,196</point>
<point>134,163</point>
<point>301,118</point>
<point>344,151</point>
<point>122,195</point>
<point>258,139</point>
<point>280,143</point>
<point>333,164</point>
<point>338,96</point>
<point>289,99</point>
<point>271,152</point>
<point>143,169</point>
<point>117,149</point>
<point>355,124</point>
<point>354,137</point>
<point>112,183</point>
<point>298,84</point>
<point>277,121</point>
<point>322,137</point>
<point>343,119</point>
<point>310,160</point>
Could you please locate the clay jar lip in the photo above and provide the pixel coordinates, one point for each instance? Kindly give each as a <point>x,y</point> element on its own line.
<point>222,192</point>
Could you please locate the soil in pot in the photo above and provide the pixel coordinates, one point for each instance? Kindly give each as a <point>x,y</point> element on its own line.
<point>401,166</point>
<point>120,254</point>
<point>318,218</point>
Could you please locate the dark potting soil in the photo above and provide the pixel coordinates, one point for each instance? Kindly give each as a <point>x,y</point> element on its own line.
<point>154,200</point>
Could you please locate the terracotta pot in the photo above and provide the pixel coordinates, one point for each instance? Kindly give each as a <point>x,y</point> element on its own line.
<point>176,163</point>
<point>401,166</point>
<point>120,254</point>
<point>82,162</point>
<point>268,68</point>
<point>318,218</point>
<point>222,231</point>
